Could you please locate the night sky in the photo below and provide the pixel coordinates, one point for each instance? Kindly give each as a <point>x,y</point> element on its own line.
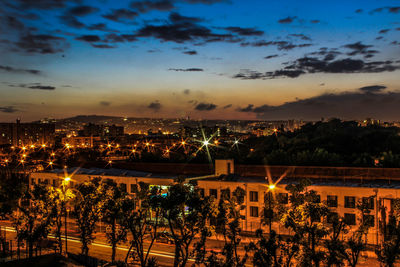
<point>208,59</point>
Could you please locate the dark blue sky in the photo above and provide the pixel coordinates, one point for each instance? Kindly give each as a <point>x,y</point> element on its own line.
<point>202,58</point>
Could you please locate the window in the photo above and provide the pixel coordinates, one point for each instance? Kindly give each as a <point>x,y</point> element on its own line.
<point>46,181</point>
<point>201,192</point>
<point>33,181</point>
<point>54,182</point>
<point>253,211</point>
<point>332,201</point>
<point>330,218</point>
<point>369,202</point>
<point>214,193</point>
<point>350,218</point>
<point>123,187</point>
<point>369,220</point>
<point>253,196</point>
<point>350,202</point>
<point>283,198</point>
<point>133,188</point>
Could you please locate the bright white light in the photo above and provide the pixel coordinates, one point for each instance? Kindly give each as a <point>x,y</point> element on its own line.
<point>206,143</point>
<point>271,187</point>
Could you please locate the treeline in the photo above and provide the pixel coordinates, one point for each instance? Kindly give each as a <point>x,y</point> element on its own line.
<point>333,143</point>
<point>188,218</point>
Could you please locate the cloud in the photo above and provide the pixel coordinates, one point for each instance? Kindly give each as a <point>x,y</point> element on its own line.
<point>100,27</point>
<point>300,36</point>
<point>245,31</point>
<point>105,103</point>
<point>42,4</point>
<point>103,46</point>
<point>42,87</point>
<point>89,38</point>
<point>249,108</point>
<point>185,70</point>
<point>148,5</point>
<point>205,106</point>
<point>315,21</point>
<point>227,106</point>
<point>359,48</point>
<point>358,11</point>
<point>8,109</point>
<point>287,20</point>
<point>16,70</point>
<point>35,86</point>
<point>180,29</point>
<point>71,21</point>
<point>208,2</point>
<point>155,106</point>
<point>373,88</point>
<point>383,31</point>
<point>82,10</point>
<point>324,61</point>
<point>389,9</point>
<point>186,92</point>
<point>281,45</point>
<point>121,15</point>
<point>41,43</point>
<point>271,56</point>
<point>357,104</point>
<point>190,52</point>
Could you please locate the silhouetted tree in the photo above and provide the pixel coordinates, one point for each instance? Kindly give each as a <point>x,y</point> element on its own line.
<point>87,207</point>
<point>113,211</point>
<point>184,211</point>
<point>303,217</point>
<point>34,216</point>
<point>142,218</point>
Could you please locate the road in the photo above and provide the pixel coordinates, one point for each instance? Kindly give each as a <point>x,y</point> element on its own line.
<point>164,253</point>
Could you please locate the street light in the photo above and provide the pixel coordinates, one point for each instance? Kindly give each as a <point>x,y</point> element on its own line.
<point>271,188</point>
<point>66,181</point>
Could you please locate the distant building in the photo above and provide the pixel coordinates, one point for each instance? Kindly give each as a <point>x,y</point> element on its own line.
<point>18,134</point>
<point>81,141</point>
<point>104,131</point>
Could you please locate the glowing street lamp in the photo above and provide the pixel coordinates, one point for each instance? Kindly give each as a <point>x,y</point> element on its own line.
<point>271,187</point>
<point>270,212</point>
<point>206,143</point>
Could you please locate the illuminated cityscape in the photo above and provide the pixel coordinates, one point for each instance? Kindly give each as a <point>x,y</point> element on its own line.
<point>199,133</point>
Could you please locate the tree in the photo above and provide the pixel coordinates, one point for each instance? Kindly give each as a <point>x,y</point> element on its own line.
<point>34,216</point>
<point>358,240</point>
<point>228,222</point>
<point>113,211</point>
<point>12,187</point>
<point>186,215</point>
<point>303,217</point>
<point>142,219</point>
<point>389,251</point>
<point>335,246</point>
<point>266,250</point>
<point>87,207</point>
<point>59,197</point>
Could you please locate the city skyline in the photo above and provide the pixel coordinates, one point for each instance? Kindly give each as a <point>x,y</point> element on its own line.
<point>207,59</point>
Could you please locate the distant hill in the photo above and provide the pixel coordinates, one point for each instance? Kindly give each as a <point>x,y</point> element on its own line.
<point>93,118</point>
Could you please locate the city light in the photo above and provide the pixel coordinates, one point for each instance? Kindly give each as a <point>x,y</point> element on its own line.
<point>67,179</point>
<point>206,142</point>
<point>271,187</point>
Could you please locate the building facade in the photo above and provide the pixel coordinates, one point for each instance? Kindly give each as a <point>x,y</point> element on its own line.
<point>340,196</point>
<point>19,134</point>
